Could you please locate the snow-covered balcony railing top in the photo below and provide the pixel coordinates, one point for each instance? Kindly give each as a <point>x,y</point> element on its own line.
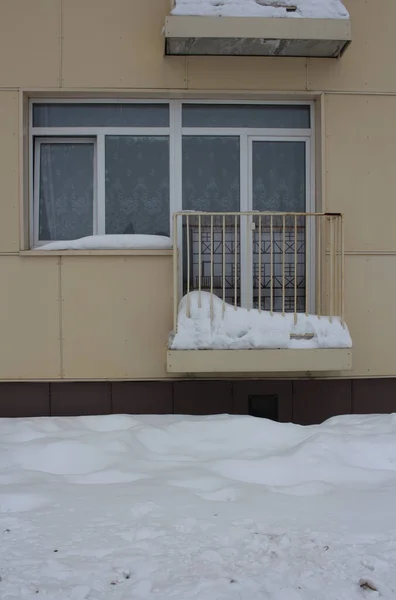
<point>258,280</point>
<point>315,28</point>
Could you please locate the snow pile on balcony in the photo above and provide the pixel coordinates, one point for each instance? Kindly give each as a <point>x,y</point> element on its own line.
<point>197,508</point>
<point>309,9</point>
<point>112,242</point>
<point>239,329</point>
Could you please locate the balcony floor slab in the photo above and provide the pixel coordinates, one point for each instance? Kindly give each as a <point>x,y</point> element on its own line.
<point>323,360</point>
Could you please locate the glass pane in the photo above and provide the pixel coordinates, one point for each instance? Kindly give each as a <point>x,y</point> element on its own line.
<point>211,173</point>
<point>66,191</point>
<point>211,182</point>
<point>100,115</point>
<point>137,185</point>
<point>279,176</point>
<point>279,184</point>
<point>246,115</point>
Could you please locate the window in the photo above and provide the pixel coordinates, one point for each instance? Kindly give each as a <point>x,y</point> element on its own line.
<point>100,168</point>
<point>124,167</point>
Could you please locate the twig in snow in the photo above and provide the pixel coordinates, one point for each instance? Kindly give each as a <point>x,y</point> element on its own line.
<point>368,584</point>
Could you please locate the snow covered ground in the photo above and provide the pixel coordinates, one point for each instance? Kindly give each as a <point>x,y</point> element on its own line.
<point>200,328</point>
<point>180,508</point>
<point>314,9</point>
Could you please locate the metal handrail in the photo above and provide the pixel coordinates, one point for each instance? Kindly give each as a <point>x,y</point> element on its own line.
<point>320,258</point>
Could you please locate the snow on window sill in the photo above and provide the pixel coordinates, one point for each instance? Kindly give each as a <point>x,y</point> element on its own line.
<point>108,245</point>
<point>124,252</point>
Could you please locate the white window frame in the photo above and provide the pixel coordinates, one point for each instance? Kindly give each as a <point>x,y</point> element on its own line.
<point>175,131</point>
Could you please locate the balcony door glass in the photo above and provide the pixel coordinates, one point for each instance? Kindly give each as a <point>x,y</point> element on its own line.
<point>279,184</point>
<point>211,184</point>
<point>238,173</point>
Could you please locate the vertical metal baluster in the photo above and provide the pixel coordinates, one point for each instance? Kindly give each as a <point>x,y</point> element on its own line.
<point>175,273</point>
<point>236,263</point>
<point>211,266</point>
<point>272,264</point>
<point>188,266</point>
<point>295,269</point>
<point>336,279</point>
<point>249,266</point>
<point>308,259</point>
<point>331,291</point>
<point>259,273</point>
<point>224,263</point>
<point>319,259</point>
<point>342,272</point>
<point>199,262</point>
<point>283,263</point>
<point>339,265</point>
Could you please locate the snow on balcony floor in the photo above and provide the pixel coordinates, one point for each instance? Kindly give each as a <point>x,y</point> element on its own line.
<point>197,508</point>
<point>309,9</point>
<point>241,329</point>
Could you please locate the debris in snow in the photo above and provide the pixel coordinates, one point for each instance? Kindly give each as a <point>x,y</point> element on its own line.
<point>367,584</point>
<point>314,9</point>
<point>236,329</point>
<point>112,242</point>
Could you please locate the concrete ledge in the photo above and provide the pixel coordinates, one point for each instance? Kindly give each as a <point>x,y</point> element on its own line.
<point>259,361</point>
<point>248,36</point>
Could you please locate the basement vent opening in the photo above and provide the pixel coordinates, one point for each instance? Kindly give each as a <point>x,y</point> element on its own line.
<point>264,407</point>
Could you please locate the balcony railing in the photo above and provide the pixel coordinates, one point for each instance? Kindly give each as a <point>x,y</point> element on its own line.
<point>275,262</point>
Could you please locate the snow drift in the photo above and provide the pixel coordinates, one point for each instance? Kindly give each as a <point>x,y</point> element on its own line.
<point>237,329</point>
<point>197,508</point>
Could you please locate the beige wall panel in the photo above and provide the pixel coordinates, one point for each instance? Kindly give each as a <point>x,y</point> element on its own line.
<point>370,300</point>
<point>9,176</point>
<point>29,318</point>
<point>29,43</point>
<point>246,73</point>
<point>360,168</point>
<point>117,314</point>
<point>118,44</point>
<point>368,63</point>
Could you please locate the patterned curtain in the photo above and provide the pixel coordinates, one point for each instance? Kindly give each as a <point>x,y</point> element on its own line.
<point>137,185</point>
<point>211,173</point>
<point>279,176</point>
<point>66,191</point>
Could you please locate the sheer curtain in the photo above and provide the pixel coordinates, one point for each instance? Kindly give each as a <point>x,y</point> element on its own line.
<point>137,185</point>
<point>66,190</point>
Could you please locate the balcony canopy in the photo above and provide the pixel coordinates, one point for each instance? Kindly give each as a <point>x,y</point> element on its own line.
<point>309,28</point>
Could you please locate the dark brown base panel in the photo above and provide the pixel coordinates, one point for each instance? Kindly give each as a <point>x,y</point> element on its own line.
<point>301,401</point>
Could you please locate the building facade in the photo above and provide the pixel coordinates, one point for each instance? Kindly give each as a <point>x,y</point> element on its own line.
<point>94,113</point>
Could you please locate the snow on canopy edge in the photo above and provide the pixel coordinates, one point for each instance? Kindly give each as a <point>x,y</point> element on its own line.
<point>313,9</point>
<point>112,242</point>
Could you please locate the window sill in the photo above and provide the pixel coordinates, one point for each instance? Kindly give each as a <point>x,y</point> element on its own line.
<point>137,252</point>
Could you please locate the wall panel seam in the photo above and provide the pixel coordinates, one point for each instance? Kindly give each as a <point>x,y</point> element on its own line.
<point>61,44</point>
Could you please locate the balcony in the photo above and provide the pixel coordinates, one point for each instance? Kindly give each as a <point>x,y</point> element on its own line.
<point>258,293</point>
<point>257,28</point>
